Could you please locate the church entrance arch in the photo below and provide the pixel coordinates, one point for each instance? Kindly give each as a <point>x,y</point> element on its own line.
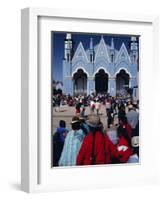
<point>122,82</point>
<point>101,81</point>
<point>80,82</point>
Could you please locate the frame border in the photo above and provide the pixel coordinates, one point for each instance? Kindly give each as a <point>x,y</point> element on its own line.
<point>30,79</point>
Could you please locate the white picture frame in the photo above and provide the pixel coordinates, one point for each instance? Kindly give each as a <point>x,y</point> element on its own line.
<point>36,173</point>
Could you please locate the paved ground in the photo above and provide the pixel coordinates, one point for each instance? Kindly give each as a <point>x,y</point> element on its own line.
<point>66,113</point>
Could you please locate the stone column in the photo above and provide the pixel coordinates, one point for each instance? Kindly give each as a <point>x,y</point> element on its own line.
<point>108,85</point>
<point>68,85</point>
<point>133,84</point>
<point>112,85</point>
<point>90,85</point>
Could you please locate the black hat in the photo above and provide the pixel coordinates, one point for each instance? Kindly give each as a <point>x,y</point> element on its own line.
<point>75,119</point>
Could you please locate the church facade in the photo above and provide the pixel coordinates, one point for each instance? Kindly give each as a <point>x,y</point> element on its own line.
<point>101,68</point>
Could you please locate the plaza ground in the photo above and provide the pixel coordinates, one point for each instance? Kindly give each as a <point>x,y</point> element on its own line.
<point>66,113</point>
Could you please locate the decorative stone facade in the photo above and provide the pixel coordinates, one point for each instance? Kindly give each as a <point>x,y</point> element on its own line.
<point>101,68</point>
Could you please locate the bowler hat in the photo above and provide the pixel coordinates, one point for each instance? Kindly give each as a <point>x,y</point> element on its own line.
<point>75,119</point>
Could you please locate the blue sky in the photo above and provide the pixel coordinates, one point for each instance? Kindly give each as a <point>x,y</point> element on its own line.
<point>58,47</point>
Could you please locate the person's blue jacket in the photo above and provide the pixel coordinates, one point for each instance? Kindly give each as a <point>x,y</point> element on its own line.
<point>61,131</point>
<point>71,148</point>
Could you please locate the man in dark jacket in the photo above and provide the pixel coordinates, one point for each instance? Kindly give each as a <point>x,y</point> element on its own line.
<point>58,141</point>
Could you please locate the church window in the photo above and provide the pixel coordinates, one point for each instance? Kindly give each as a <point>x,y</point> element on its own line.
<point>112,58</point>
<point>68,57</point>
<point>134,58</point>
<point>91,58</point>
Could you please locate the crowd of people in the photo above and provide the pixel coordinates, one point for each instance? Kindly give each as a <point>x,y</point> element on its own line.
<point>89,141</point>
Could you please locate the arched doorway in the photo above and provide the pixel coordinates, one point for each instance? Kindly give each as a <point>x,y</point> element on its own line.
<point>122,82</point>
<point>80,82</point>
<point>101,82</point>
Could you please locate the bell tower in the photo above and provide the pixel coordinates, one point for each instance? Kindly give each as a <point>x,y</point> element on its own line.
<point>91,51</point>
<point>68,48</point>
<point>134,49</point>
<point>112,51</point>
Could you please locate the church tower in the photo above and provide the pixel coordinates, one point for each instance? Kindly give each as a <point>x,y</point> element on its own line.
<point>134,49</point>
<point>68,48</point>
<point>91,51</point>
<point>112,51</point>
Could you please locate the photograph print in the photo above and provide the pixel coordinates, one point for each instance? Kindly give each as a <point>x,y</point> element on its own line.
<point>95,99</point>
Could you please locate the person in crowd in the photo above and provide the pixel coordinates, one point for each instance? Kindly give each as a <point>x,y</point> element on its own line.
<point>92,106</point>
<point>124,124</point>
<point>112,134</point>
<point>84,126</point>
<point>113,105</point>
<point>96,147</point>
<point>124,145</point>
<point>135,106</point>
<point>78,106</point>
<point>132,116</point>
<point>83,107</point>
<point>135,139</point>
<point>57,103</point>
<point>72,144</point>
<point>109,119</point>
<point>97,106</point>
<point>58,141</point>
<point>108,107</point>
<point>121,111</point>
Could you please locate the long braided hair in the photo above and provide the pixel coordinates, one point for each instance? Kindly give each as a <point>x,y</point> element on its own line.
<point>121,131</point>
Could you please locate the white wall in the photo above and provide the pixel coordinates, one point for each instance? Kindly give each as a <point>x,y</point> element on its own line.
<point>10,95</point>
